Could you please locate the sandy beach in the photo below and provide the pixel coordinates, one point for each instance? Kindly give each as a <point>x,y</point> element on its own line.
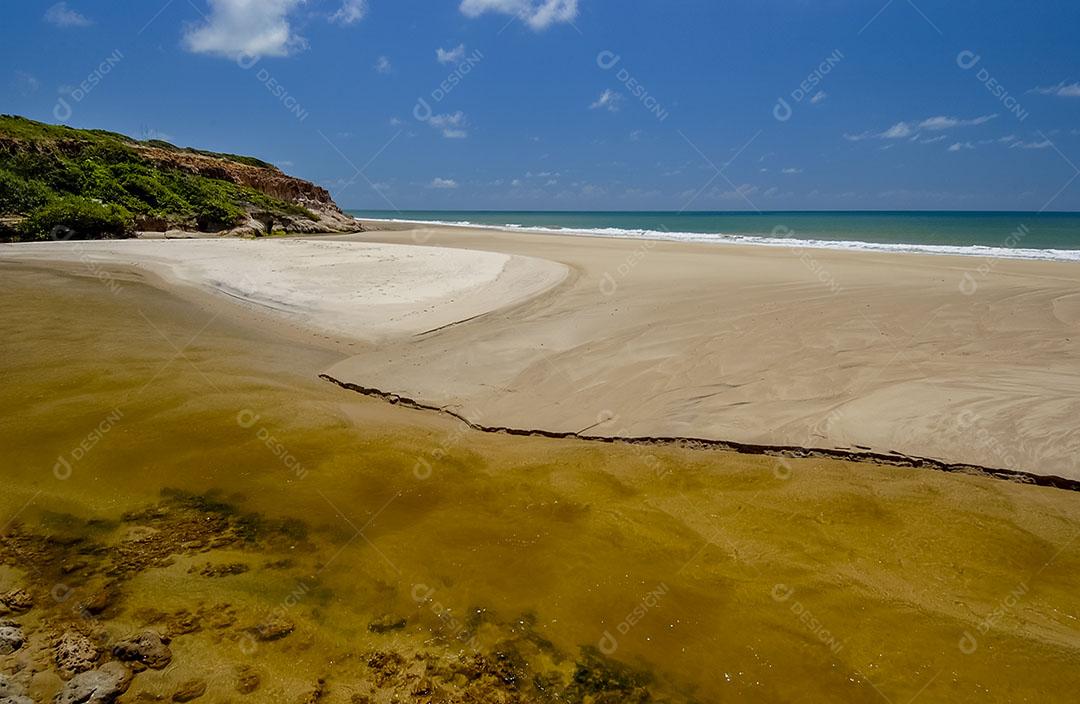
<point>951,358</point>
<point>299,542</point>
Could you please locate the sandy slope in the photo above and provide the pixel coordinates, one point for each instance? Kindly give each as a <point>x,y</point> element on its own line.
<point>814,348</point>
<point>360,291</point>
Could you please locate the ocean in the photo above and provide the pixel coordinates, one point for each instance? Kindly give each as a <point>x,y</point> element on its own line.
<point>1020,235</point>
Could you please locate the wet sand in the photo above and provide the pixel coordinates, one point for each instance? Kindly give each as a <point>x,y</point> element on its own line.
<point>524,569</point>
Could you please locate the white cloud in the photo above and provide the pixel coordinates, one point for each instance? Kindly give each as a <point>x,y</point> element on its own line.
<point>443,183</point>
<point>452,125</point>
<point>897,131</point>
<point>931,140</point>
<point>818,97</point>
<point>383,65</point>
<point>1044,144</point>
<point>63,16</point>
<point>942,122</point>
<point>961,145</point>
<point>538,14</point>
<point>243,28</point>
<point>1063,89</point>
<point>791,170</point>
<point>450,56</point>
<point>906,130</point>
<point>26,83</point>
<point>395,122</point>
<point>608,100</point>
<point>350,12</point>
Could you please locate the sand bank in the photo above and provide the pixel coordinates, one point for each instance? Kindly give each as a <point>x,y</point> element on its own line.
<point>958,359</point>
<point>355,290</point>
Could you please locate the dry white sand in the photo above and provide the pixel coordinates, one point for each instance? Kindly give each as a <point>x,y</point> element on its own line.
<point>356,290</point>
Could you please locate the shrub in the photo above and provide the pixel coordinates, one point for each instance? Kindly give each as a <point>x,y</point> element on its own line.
<point>78,218</point>
<point>20,196</point>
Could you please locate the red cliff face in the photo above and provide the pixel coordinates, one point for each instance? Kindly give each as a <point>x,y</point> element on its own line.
<point>265,179</point>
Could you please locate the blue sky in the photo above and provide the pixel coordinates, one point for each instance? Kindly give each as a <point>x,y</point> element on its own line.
<point>584,104</point>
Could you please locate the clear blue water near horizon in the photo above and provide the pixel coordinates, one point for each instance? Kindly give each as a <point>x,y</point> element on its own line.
<point>1023,235</point>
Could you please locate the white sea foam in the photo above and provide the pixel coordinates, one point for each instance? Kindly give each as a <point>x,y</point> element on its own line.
<point>1072,255</point>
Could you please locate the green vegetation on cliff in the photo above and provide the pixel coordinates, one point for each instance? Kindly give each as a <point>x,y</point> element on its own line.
<point>86,184</point>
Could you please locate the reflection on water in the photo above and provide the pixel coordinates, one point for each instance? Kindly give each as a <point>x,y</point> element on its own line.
<point>167,471</point>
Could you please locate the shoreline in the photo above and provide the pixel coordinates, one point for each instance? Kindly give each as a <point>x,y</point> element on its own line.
<point>782,452</point>
<point>757,240</point>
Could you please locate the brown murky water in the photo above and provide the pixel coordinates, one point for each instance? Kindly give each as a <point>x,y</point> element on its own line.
<point>165,469</point>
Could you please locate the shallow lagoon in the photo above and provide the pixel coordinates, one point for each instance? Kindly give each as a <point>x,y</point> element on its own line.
<point>176,471</point>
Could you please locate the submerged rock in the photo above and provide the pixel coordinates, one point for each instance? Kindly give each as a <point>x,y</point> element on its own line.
<point>247,679</point>
<point>273,628</point>
<point>75,653</point>
<point>387,622</point>
<point>100,686</point>
<point>189,691</point>
<point>227,570</point>
<point>146,648</point>
<point>316,695</point>
<point>17,600</point>
<point>99,601</point>
<point>11,637</point>
<point>12,693</point>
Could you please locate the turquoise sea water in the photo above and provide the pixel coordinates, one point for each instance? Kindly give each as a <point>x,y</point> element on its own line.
<point>1005,234</point>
